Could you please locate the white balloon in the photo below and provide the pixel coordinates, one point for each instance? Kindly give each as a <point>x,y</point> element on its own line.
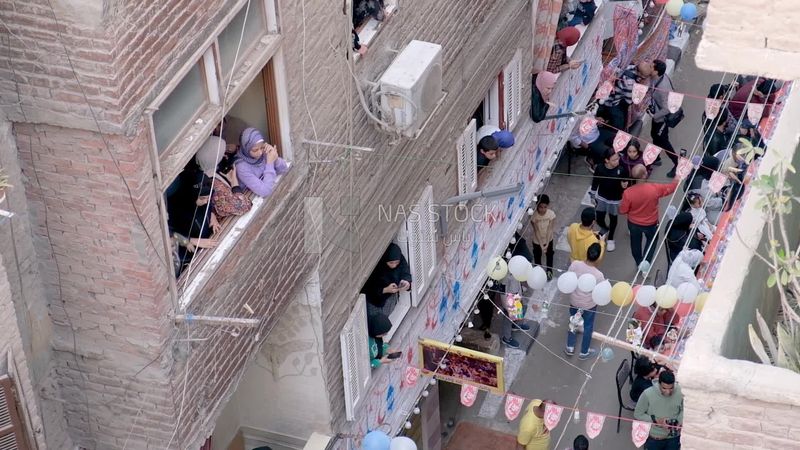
<point>687,292</point>
<point>403,443</point>
<point>537,277</point>
<point>519,267</point>
<point>601,294</point>
<point>646,295</point>
<point>587,282</point>
<point>666,296</point>
<point>567,282</point>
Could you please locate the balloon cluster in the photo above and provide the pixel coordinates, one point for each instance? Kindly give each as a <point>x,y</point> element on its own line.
<point>677,8</point>
<point>378,440</point>
<point>520,268</point>
<point>622,293</point>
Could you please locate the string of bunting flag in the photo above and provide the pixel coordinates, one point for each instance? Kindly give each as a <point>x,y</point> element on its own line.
<point>553,412</point>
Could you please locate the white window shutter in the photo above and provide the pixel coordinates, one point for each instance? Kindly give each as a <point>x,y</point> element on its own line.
<point>422,244</point>
<point>467,160</point>
<point>356,367</point>
<point>512,90</point>
<point>12,435</point>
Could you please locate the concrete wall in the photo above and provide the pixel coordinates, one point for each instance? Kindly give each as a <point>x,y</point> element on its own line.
<point>732,401</point>
<point>765,44</point>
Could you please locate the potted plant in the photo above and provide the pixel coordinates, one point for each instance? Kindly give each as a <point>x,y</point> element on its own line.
<point>4,184</point>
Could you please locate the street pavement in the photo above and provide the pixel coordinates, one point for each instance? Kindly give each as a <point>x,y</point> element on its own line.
<point>546,375</point>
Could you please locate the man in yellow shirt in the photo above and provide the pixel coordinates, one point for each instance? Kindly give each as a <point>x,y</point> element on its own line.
<point>533,435</point>
<point>581,235</point>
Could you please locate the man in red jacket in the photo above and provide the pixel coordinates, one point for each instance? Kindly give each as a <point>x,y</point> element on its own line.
<point>640,204</point>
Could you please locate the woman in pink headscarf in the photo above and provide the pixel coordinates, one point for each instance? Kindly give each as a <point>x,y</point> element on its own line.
<point>566,37</point>
<point>543,83</point>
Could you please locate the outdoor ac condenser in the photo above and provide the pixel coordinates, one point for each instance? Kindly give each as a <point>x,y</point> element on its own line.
<point>411,87</point>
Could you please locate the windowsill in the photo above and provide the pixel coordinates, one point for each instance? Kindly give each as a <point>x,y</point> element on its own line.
<point>368,31</point>
<point>399,313</point>
<point>196,280</point>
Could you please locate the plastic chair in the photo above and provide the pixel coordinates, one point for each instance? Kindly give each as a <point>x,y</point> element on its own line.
<point>623,375</point>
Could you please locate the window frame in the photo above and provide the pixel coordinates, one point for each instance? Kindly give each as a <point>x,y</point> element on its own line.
<point>511,92</point>
<point>355,328</point>
<point>467,158</point>
<point>372,28</point>
<point>491,105</point>
<point>425,235</point>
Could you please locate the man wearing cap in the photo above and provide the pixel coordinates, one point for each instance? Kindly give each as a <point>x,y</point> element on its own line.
<point>567,37</point>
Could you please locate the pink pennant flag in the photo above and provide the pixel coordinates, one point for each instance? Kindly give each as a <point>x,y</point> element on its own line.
<point>754,112</point>
<point>684,168</point>
<point>604,91</point>
<point>513,406</point>
<point>587,125</point>
<point>651,153</point>
<point>411,376</point>
<point>712,107</point>
<point>552,414</point>
<point>621,141</point>
<point>594,424</point>
<point>639,432</point>
<point>639,91</point>
<point>674,101</point>
<point>716,182</point>
<point>468,394</point>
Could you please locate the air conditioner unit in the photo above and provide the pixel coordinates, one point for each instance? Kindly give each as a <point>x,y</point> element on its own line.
<point>411,87</point>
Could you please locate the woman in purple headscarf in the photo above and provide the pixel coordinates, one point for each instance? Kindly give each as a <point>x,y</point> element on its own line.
<point>258,164</point>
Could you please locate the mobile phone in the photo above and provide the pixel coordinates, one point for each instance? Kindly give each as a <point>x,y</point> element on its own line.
<point>394,355</point>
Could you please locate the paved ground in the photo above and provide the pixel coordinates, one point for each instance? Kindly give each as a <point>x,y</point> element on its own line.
<point>543,375</point>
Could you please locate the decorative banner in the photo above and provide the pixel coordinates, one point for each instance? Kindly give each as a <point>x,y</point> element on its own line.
<point>587,125</point>
<point>754,112</point>
<point>462,365</point>
<point>552,414</point>
<point>468,394</point>
<point>604,91</point>
<point>639,92</point>
<point>674,101</point>
<point>639,432</point>
<point>651,153</point>
<point>513,406</point>
<point>684,168</point>
<point>594,424</point>
<point>621,141</point>
<point>716,182</point>
<point>411,376</point>
<point>712,107</point>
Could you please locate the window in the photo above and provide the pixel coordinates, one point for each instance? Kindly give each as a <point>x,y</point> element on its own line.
<point>421,231</point>
<point>467,159</point>
<point>355,357</point>
<point>12,434</point>
<point>182,106</point>
<point>512,91</point>
<point>369,17</point>
<point>228,40</point>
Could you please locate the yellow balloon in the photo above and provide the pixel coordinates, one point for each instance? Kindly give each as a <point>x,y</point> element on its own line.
<point>666,296</point>
<point>674,7</point>
<point>497,269</point>
<point>700,301</point>
<point>622,294</point>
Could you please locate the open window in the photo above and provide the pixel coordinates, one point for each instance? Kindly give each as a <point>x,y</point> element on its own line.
<point>467,159</point>
<point>511,80</point>
<point>13,434</point>
<point>369,16</point>
<point>356,370</point>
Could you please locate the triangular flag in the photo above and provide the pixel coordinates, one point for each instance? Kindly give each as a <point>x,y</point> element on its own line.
<point>513,406</point>
<point>674,101</point>
<point>639,432</point>
<point>621,141</point>
<point>716,182</point>
<point>468,394</point>
<point>594,424</point>
<point>604,91</point>
<point>651,153</point>
<point>587,125</point>
<point>639,91</point>
<point>684,168</point>
<point>552,414</point>
<point>411,376</point>
<point>712,107</point>
<point>754,112</point>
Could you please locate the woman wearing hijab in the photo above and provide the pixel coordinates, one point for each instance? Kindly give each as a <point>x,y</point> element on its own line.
<point>378,325</point>
<point>683,268</point>
<point>533,435</point>
<point>566,37</point>
<point>391,276</point>
<point>678,235</point>
<point>543,84</point>
<point>258,164</point>
<point>227,198</point>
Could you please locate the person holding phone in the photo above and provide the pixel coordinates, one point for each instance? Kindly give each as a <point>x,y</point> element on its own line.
<point>390,277</point>
<point>378,325</point>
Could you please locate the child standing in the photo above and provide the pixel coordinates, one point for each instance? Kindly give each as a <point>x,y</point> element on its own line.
<point>543,222</point>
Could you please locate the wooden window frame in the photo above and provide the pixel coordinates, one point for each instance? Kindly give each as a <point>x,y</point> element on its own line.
<point>16,425</point>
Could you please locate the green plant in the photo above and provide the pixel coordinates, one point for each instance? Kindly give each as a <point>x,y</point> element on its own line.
<point>783,260</point>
